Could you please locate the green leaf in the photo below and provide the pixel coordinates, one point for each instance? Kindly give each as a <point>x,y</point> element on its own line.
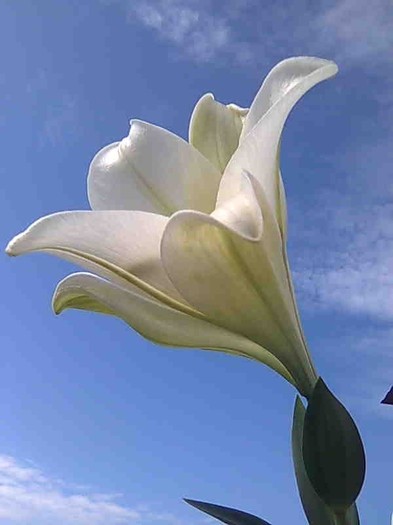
<point>316,511</point>
<point>333,452</point>
<point>226,514</point>
<point>352,515</point>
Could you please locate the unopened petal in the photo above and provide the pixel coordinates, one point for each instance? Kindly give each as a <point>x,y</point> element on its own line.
<point>155,321</point>
<point>215,129</point>
<point>152,170</point>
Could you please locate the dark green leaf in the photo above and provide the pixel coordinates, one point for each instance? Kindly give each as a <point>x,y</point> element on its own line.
<point>316,511</point>
<point>352,515</point>
<point>226,514</point>
<point>333,452</point>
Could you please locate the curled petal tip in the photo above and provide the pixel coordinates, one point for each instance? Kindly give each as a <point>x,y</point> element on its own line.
<point>57,308</point>
<point>12,247</point>
<point>26,241</point>
<point>310,59</point>
<point>330,67</point>
<point>333,67</point>
<point>58,303</point>
<point>8,249</point>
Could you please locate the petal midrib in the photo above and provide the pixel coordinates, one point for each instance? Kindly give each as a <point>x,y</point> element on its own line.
<point>167,209</point>
<point>132,279</point>
<point>239,259</point>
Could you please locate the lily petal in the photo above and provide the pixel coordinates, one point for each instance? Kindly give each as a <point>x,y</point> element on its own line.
<point>155,321</point>
<point>282,214</point>
<point>215,129</point>
<point>120,245</point>
<point>152,170</point>
<point>283,78</point>
<point>259,143</point>
<point>229,265</point>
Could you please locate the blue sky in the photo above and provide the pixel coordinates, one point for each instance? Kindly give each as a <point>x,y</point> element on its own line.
<point>99,425</point>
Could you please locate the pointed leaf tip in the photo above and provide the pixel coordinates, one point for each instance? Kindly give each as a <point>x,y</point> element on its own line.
<point>226,514</point>
<point>388,399</point>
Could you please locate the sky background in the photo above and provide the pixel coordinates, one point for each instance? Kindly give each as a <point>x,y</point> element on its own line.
<point>100,426</point>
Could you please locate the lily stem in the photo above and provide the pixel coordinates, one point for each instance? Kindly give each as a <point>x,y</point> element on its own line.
<point>340,518</point>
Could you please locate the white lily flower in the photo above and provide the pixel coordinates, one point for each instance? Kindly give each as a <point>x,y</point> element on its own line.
<point>187,241</point>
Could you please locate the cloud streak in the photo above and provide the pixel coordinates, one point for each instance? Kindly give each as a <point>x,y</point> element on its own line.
<point>199,33</point>
<point>351,269</point>
<point>29,497</point>
<point>247,32</point>
<point>357,30</point>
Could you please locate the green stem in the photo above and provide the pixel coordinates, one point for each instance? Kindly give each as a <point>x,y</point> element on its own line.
<point>340,517</point>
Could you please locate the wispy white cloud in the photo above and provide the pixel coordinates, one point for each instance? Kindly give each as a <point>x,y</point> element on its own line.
<point>247,31</point>
<point>194,28</point>
<point>30,497</point>
<point>357,29</point>
<point>350,267</point>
